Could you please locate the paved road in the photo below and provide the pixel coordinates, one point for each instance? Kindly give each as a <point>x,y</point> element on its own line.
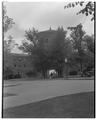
<point>23,92</point>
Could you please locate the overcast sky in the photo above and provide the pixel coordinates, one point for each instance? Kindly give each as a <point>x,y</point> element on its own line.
<point>42,15</point>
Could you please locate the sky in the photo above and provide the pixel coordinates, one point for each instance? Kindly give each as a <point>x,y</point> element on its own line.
<point>42,16</point>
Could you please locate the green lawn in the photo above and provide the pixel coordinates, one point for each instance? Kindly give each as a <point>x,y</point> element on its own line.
<point>69,106</point>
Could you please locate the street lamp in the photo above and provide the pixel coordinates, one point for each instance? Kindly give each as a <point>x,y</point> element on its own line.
<point>66,61</point>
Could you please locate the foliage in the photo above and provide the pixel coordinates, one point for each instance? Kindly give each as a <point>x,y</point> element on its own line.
<point>36,50</point>
<point>8,73</point>
<point>17,76</point>
<point>73,73</point>
<point>77,37</point>
<point>8,44</point>
<point>90,53</point>
<point>79,54</point>
<point>83,46</point>
<point>58,51</point>
<point>88,9</point>
<point>31,41</point>
<point>7,21</point>
<point>90,43</point>
<point>44,59</point>
<point>6,25</point>
<point>78,50</point>
<point>31,73</point>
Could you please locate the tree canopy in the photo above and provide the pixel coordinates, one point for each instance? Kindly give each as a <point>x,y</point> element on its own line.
<point>82,45</point>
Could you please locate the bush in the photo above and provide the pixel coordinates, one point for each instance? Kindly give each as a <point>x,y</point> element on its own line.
<point>73,73</point>
<point>31,74</point>
<point>89,73</point>
<point>17,76</point>
<point>8,73</point>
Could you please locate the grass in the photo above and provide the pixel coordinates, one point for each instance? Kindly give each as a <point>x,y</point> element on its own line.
<point>69,106</point>
<point>48,79</point>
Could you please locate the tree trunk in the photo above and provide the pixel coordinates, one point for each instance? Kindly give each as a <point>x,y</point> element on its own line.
<point>81,68</point>
<point>60,73</point>
<point>44,73</point>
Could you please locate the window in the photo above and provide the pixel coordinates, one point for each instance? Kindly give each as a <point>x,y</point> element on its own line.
<point>19,65</point>
<point>20,59</point>
<point>14,65</point>
<point>46,40</point>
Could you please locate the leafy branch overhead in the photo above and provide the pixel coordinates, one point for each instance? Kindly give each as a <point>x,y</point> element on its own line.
<point>88,8</point>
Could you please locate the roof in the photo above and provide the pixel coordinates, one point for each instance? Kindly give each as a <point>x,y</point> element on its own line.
<point>48,34</point>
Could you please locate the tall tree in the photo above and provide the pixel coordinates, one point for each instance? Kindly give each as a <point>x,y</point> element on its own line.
<point>36,50</point>
<point>90,64</point>
<point>77,36</point>
<point>7,21</point>
<point>6,25</point>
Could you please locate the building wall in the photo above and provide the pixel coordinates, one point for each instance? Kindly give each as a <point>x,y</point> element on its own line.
<point>19,63</point>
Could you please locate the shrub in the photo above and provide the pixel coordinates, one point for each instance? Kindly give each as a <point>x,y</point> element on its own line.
<point>73,73</point>
<point>17,76</point>
<point>31,74</point>
<point>8,73</point>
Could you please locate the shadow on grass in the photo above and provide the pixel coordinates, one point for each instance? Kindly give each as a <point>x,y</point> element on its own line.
<point>9,94</point>
<point>12,85</point>
<point>80,105</point>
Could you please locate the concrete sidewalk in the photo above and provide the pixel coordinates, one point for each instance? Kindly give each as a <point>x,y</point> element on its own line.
<point>25,92</point>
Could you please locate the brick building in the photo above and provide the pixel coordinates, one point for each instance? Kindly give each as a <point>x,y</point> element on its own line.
<point>21,63</point>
